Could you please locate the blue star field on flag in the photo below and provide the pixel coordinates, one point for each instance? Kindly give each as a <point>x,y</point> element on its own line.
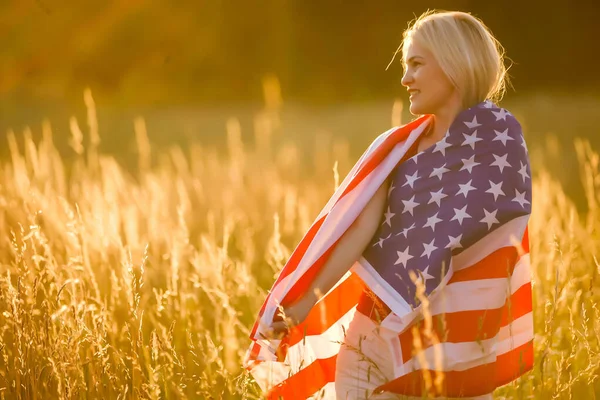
<point>450,195</point>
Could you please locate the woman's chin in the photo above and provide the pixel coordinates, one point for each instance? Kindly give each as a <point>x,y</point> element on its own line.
<point>418,108</point>
<point>415,109</point>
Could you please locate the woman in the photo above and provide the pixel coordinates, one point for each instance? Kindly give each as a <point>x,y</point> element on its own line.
<point>427,240</point>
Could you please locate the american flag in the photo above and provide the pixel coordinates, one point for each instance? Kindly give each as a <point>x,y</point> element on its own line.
<point>456,219</point>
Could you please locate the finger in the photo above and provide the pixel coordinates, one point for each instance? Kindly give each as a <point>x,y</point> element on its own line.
<point>271,335</point>
<point>278,328</point>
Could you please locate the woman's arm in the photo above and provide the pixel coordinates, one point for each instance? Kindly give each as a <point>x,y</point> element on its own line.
<point>349,249</point>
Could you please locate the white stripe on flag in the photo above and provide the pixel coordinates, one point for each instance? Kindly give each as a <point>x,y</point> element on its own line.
<point>497,239</point>
<point>380,286</point>
<point>463,356</point>
<point>321,346</point>
<point>521,274</point>
<point>265,322</point>
<point>326,393</point>
<point>268,372</point>
<point>313,347</point>
<point>522,331</point>
<point>482,294</point>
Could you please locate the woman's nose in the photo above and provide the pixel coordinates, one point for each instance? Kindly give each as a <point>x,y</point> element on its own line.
<point>406,78</point>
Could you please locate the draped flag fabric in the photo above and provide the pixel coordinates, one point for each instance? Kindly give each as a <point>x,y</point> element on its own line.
<point>456,220</point>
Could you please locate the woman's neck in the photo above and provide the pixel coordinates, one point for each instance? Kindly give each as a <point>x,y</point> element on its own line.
<point>443,118</point>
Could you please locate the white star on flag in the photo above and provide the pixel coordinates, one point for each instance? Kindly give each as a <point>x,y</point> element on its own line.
<point>520,198</point>
<point>472,124</point>
<point>388,217</point>
<point>523,171</point>
<point>523,144</point>
<point>409,205</point>
<point>495,189</point>
<point>454,242</point>
<point>502,136</point>
<point>405,230</point>
<point>490,218</point>
<point>501,114</point>
<point>414,158</point>
<point>471,140</point>
<point>403,257</point>
<point>431,221</point>
<point>429,248</point>
<point>500,162</point>
<point>469,163</point>
<point>410,179</point>
<point>437,196</point>
<point>460,214</point>
<point>465,188</point>
<point>439,171</point>
<point>441,146</point>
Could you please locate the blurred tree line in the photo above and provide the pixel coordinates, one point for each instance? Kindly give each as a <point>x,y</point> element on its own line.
<point>168,52</point>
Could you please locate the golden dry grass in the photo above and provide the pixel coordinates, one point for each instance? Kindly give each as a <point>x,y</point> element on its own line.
<point>144,285</point>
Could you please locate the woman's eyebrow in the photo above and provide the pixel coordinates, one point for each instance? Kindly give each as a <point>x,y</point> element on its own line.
<point>412,58</point>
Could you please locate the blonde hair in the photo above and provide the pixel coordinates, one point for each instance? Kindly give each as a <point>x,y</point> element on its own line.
<point>466,50</point>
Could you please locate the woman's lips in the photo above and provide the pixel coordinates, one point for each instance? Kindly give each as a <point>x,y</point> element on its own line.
<point>413,93</point>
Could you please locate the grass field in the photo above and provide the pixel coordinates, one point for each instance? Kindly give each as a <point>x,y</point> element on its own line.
<point>143,283</point>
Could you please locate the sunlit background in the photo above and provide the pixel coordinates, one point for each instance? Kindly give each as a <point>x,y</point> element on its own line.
<point>160,160</point>
<point>187,66</point>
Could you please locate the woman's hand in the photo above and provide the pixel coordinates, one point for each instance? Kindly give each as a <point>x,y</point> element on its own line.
<point>291,316</point>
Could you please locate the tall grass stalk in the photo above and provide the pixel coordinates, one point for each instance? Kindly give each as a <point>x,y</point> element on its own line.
<point>144,284</point>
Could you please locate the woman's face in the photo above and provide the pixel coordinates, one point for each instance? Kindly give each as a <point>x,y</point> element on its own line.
<point>430,89</point>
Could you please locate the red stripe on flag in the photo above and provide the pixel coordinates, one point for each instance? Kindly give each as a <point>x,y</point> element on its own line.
<point>255,351</point>
<point>305,382</point>
<point>525,241</point>
<point>514,363</point>
<point>499,264</point>
<point>458,327</point>
<point>517,305</point>
<point>329,310</point>
<point>469,326</point>
<point>476,381</point>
